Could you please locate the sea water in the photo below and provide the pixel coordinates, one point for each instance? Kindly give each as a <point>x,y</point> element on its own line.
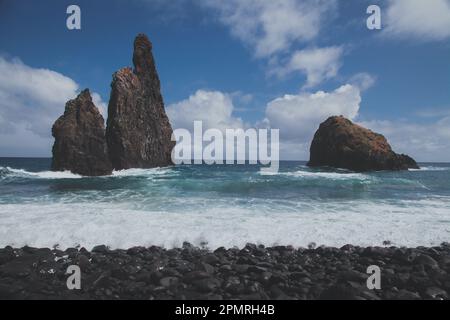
<point>222,205</point>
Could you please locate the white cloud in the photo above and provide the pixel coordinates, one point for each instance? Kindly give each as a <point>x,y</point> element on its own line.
<point>214,108</point>
<point>31,99</point>
<point>319,64</point>
<point>272,29</point>
<point>299,116</point>
<point>273,26</point>
<point>242,98</point>
<point>434,112</point>
<point>426,20</point>
<point>427,142</point>
<point>18,141</point>
<point>362,80</point>
<point>100,104</point>
<point>31,96</point>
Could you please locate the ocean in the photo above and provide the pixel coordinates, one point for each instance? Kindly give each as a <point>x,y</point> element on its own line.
<point>222,205</point>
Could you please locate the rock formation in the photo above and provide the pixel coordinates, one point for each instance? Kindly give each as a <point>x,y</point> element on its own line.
<point>341,144</point>
<point>138,131</point>
<point>80,144</point>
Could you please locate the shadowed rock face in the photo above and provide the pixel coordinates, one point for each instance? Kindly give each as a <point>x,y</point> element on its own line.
<point>80,144</point>
<point>138,131</point>
<point>341,144</point>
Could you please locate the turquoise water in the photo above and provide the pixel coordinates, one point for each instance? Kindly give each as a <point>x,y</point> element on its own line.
<point>222,206</point>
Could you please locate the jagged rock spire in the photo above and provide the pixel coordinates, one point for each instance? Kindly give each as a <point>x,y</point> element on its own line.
<point>80,143</point>
<point>138,130</point>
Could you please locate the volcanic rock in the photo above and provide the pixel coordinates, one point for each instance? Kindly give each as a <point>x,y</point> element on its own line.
<point>154,273</point>
<point>138,130</point>
<point>340,143</point>
<point>80,144</point>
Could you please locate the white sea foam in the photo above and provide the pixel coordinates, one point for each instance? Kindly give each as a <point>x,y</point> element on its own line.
<point>323,175</point>
<point>431,168</point>
<point>141,172</point>
<point>334,223</point>
<point>328,175</point>
<point>70,175</point>
<point>44,174</point>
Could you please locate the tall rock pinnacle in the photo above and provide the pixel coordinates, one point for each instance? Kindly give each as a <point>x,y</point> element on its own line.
<point>80,144</point>
<point>138,131</point>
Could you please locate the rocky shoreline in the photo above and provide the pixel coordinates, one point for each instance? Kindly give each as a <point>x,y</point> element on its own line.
<point>254,272</point>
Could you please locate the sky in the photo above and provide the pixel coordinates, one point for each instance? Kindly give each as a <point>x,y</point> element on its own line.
<point>286,64</point>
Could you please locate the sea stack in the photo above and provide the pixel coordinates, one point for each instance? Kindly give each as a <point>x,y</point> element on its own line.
<point>138,130</point>
<point>339,143</point>
<point>80,143</point>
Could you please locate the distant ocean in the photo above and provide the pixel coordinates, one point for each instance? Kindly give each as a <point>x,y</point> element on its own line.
<point>225,205</point>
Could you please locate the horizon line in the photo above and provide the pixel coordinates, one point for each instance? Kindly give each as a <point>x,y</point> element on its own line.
<point>23,157</point>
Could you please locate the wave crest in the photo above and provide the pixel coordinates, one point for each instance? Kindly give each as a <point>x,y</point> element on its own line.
<point>21,173</point>
<point>8,171</point>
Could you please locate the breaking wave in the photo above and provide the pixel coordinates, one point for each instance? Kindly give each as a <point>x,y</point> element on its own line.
<point>21,173</point>
<point>7,171</point>
<point>410,223</point>
<point>223,206</point>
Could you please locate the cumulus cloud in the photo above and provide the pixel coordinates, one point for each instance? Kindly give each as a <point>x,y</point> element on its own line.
<point>32,96</point>
<point>299,116</point>
<point>31,99</point>
<point>272,29</point>
<point>296,116</point>
<point>427,142</point>
<point>214,108</point>
<point>318,64</point>
<point>426,20</point>
<point>273,26</point>
<point>18,141</point>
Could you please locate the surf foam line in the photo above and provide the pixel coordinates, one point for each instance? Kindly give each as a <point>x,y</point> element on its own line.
<point>8,171</point>
<point>431,168</point>
<point>142,172</point>
<point>409,223</point>
<point>42,174</point>
<point>318,174</point>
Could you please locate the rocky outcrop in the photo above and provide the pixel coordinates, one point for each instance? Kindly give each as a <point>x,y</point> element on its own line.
<point>138,131</point>
<point>80,144</point>
<point>341,144</point>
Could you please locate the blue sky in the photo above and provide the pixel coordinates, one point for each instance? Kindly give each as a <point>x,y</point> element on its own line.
<point>233,63</point>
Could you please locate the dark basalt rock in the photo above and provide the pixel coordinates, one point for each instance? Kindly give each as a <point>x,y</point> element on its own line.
<point>340,143</point>
<point>138,131</point>
<point>80,144</point>
<point>158,273</point>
